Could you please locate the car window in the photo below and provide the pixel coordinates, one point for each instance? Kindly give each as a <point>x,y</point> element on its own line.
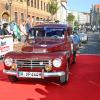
<point>58,33</point>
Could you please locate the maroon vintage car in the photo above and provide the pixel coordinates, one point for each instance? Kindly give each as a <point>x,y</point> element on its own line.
<point>48,53</point>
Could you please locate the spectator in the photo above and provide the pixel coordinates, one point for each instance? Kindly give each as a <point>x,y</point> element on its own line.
<point>16,31</point>
<point>4,30</point>
<point>0,29</point>
<point>93,28</point>
<point>75,40</point>
<point>23,31</point>
<point>9,30</point>
<point>11,25</point>
<point>28,27</point>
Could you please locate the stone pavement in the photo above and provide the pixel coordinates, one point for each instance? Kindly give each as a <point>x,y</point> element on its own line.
<point>92,46</point>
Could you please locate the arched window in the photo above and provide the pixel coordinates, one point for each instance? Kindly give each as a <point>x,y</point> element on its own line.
<point>28,2</point>
<point>31,3</point>
<point>34,3</point>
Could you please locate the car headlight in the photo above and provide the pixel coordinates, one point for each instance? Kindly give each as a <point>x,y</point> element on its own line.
<point>8,61</point>
<point>57,62</point>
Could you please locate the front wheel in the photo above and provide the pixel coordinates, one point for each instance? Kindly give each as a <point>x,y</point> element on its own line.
<point>64,79</point>
<point>12,78</point>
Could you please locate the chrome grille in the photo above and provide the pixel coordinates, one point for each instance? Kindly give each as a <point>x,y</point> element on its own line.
<point>32,63</point>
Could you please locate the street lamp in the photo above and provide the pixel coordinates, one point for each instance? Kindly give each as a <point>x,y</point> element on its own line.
<point>10,3</point>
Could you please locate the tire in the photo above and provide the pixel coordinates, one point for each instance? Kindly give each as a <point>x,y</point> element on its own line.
<point>12,78</point>
<point>64,79</point>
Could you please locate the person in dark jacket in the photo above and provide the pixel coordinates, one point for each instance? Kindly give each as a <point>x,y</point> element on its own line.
<point>28,27</point>
<point>0,29</point>
<point>4,30</point>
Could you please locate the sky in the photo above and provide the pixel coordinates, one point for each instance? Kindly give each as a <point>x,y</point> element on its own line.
<point>81,5</point>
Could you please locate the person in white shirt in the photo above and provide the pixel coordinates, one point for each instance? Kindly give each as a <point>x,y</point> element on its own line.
<point>23,31</point>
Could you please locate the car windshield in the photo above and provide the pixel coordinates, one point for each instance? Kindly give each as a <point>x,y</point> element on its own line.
<point>49,33</point>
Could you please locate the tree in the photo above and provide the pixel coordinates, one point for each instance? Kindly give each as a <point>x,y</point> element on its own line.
<point>76,23</point>
<point>70,18</point>
<point>53,8</point>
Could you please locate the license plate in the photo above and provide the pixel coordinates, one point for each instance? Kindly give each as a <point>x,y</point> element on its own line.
<point>30,74</point>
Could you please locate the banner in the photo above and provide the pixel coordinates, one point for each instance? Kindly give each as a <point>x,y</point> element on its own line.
<point>6,44</point>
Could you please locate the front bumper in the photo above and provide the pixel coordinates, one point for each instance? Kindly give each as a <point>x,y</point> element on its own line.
<point>44,74</point>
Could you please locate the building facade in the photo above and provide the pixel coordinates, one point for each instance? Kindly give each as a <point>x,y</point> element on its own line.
<point>84,18</point>
<point>81,17</point>
<point>95,15</point>
<point>61,15</point>
<point>18,10</point>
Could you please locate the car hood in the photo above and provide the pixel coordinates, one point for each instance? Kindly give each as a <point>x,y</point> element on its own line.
<point>43,46</point>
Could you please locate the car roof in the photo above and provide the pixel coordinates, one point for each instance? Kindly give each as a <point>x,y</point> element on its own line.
<point>52,26</point>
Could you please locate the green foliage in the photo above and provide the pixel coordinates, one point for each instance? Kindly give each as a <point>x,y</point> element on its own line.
<point>76,23</point>
<point>70,17</point>
<point>53,7</point>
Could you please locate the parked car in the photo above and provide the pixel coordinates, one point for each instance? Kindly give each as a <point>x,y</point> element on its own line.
<point>83,37</point>
<point>47,54</point>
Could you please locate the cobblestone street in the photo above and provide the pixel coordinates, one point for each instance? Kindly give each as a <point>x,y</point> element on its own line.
<point>92,46</point>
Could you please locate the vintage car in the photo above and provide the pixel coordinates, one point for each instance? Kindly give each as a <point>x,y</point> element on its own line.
<point>48,53</point>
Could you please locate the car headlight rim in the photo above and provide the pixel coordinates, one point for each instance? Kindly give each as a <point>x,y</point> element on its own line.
<point>8,62</point>
<point>57,62</point>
